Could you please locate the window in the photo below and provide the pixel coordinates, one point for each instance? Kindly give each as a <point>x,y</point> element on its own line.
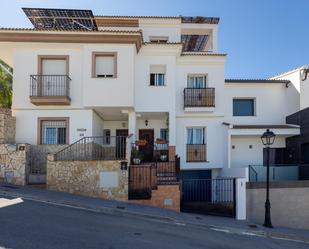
<point>196,135</point>
<point>158,39</point>
<point>197,81</point>
<point>157,75</point>
<point>243,107</point>
<point>104,64</point>
<point>53,131</point>
<point>164,134</point>
<point>196,147</point>
<point>107,136</point>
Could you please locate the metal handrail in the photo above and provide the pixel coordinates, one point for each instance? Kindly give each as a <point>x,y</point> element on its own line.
<point>94,148</point>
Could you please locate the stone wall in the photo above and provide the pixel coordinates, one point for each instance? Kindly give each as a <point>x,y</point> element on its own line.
<point>166,196</point>
<point>14,163</point>
<point>103,179</point>
<point>7,127</point>
<point>289,203</point>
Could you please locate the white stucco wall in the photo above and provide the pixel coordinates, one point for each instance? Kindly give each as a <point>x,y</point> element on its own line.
<point>97,124</point>
<point>243,156</point>
<point>27,123</point>
<point>155,98</point>
<point>25,56</point>
<point>214,140</point>
<point>109,92</point>
<point>270,102</point>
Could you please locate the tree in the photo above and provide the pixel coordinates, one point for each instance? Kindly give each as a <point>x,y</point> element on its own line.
<point>5,89</point>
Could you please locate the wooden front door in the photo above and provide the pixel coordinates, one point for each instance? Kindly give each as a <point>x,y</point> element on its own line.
<point>147,150</point>
<point>121,143</point>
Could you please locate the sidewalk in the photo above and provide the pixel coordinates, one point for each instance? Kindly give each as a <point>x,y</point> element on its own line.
<point>222,224</point>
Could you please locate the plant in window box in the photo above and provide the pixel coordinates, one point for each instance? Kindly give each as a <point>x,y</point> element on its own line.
<point>160,141</point>
<point>136,155</point>
<point>142,142</point>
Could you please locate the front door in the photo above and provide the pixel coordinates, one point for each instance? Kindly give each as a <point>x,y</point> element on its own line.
<point>147,150</point>
<point>121,143</point>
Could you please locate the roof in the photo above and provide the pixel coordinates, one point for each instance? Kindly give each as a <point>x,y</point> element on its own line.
<point>201,53</point>
<point>288,72</point>
<point>265,127</point>
<point>256,81</point>
<point>72,31</point>
<point>184,19</point>
<point>71,36</point>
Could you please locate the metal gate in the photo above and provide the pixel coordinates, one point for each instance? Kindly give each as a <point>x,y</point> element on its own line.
<point>209,196</point>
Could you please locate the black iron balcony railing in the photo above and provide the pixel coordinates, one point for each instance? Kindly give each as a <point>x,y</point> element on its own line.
<point>49,86</point>
<point>196,152</point>
<point>199,97</point>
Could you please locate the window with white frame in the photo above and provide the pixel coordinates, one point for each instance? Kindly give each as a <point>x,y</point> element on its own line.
<point>157,75</point>
<point>53,131</point>
<point>195,135</point>
<point>197,81</point>
<point>104,65</point>
<point>106,136</point>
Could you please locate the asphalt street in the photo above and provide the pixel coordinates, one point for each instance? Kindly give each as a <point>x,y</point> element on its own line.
<point>31,224</point>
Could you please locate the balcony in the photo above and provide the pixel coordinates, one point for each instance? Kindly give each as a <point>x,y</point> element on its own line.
<point>199,98</point>
<point>50,89</point>
<point>196,152</point>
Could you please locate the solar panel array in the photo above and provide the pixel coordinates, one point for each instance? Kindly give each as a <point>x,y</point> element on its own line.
<point>61,19</point>
<point>194,43</point>
<point>200,19</point>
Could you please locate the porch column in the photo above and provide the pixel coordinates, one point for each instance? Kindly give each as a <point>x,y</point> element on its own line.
<point>229,149</point>
<point>172,135</point>
<point>132,125</point>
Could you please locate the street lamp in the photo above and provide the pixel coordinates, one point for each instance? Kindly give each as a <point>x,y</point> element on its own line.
<point>268,138</point>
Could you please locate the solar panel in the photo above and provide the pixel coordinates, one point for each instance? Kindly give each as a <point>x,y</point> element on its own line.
<point>200,19</point>
<point>61,19</point>
<point>194,43</point>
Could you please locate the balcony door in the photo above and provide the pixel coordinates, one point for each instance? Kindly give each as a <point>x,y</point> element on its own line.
<point>53,71</point>
<point>196,94</point>
<point>196,81</point>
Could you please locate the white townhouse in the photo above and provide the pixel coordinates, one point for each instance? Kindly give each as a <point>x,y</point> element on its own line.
<point>159,80</point>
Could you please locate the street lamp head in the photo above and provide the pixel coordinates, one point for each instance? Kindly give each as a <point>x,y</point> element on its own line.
<point>268,138</point>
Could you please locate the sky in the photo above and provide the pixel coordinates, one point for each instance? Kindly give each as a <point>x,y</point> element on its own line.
<point>261,37</point>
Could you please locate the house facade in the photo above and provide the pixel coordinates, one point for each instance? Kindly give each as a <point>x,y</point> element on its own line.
<point>152,82</point>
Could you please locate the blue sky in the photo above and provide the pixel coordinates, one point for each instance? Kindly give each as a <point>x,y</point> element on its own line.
<point>261,37</point>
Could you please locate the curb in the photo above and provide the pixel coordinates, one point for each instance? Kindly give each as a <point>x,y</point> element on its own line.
<point>102,209</point>
<point>123,212</point>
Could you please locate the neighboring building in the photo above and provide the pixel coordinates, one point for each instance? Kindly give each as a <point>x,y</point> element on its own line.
<point>155,78</point>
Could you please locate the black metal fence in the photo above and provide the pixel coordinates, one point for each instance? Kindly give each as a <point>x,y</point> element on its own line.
<point>196,152</point>
<point>94,148</point>
<point>49,85</point>
<point>199,97</point>
<point>209,196</point>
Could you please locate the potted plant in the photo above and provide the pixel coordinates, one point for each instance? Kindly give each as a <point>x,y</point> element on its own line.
<point>136,155</point>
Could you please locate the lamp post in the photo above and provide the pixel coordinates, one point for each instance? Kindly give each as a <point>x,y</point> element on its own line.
<point>268,138</point>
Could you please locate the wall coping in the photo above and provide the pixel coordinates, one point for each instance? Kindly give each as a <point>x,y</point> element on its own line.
<point>279,184</point>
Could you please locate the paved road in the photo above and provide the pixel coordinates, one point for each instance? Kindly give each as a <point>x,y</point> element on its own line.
<point>38,225</point>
